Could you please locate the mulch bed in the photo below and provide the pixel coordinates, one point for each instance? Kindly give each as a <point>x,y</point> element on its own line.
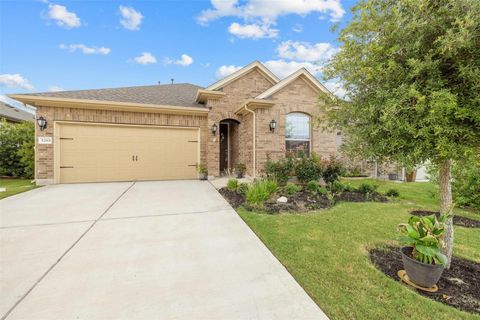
<point>301,201</point>
<point>457,220</point>
<point>233,198</point>
<point>355,196</point>
<point>459,286</point>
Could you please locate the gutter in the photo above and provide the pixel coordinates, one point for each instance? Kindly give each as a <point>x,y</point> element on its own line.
<point>254,139</point>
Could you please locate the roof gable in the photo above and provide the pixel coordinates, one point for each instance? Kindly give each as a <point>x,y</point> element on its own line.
<point>301,73</point>
<point>239,73</point>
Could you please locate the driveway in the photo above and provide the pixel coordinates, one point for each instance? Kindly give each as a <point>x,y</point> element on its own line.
<point>144,250</point>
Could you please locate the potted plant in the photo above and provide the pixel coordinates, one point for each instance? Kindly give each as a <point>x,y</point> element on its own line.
<point>202,172</point>
<point>422,257</point>
<point>240,169</point>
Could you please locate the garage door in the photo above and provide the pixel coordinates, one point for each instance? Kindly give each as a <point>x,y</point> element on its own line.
<point>96,153</point>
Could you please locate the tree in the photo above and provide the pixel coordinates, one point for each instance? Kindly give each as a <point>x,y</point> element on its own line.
<point>411,70</point>
<point>17,143</point>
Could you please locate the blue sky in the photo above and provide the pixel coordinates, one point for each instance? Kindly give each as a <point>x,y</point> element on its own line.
<point>70,45</point>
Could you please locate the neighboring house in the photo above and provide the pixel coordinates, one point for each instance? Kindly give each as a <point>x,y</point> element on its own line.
<point>163,131</point>
<point>14,115</point>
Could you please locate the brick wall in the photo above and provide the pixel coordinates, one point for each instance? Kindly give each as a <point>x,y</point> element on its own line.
<point>44,153</point>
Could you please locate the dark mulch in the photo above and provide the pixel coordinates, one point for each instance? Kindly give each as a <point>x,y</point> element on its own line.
<point>301,201</point>
<point>355,196</point>
<point>459,286</point>
<point>457,220</point>
<point>235,199</point>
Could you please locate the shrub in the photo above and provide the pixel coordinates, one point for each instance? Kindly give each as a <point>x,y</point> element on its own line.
<point>466,182</point>
<point>242,188</point>
<point>309,168</point>
<point>279,170</point>
<point>323,190</point>
<point>240,169</point>
<point>332,170</point>
<point>201,168</point>
<point>232,184</point>
<point>367,188</point>
<point>17,143</point>
<point>425,235</point>
<point>292,188</point>
<point>348,187</point>
<point>392,193</point>
<point>313,186</point>
<point>352,172</point>
<point>337,187</point>
<point>259,191</point>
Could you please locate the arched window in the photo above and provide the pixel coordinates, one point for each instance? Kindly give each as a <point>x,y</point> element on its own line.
<point>297,134</point>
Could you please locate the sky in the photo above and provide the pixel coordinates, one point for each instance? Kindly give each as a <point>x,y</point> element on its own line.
<point>72,45</point>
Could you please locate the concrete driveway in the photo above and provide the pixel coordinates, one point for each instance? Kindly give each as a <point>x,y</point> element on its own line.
<point>144,250</point>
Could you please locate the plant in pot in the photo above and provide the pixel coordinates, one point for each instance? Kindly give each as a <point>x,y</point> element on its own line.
<point>240,169</point>
<point>422,257</point>
<point>202,172</point>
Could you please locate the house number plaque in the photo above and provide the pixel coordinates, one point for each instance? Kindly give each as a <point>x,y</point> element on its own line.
<point>44,140</point>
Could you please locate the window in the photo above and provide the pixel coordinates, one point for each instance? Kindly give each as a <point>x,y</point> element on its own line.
<point>297,134</point>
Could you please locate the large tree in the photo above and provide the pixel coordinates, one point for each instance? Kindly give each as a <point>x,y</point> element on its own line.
<point>411,69</point>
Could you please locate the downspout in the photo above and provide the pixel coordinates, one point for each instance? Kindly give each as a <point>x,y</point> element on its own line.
<point>254,139</point>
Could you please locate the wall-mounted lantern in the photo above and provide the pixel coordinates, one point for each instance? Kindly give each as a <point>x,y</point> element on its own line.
<point>42,123</point>
<point>214,128</point>
<point>273,125</point>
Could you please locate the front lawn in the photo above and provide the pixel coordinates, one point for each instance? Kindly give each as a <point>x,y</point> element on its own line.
<point>15,186</point>
<point>327,253</point>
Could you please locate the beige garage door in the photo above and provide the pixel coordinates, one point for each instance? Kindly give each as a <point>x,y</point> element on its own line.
<point>95,153</point>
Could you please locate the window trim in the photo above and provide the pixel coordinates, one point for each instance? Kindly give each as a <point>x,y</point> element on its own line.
<point>310,132</point>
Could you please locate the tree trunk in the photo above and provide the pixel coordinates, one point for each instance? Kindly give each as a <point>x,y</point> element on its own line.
<point>445,178</point>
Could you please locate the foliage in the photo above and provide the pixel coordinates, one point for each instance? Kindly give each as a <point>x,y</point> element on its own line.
<point>425,234</point>
<point>201,168</point>
<point>242,188</point>
<point>323,191</point>
<point>352,172</point>
<point>17,143</point>
<point>259,191</point>
<point>332,170</point>
<point>240,168</point>
<point>313,186</point>
<point>232,184</point>
<point>367,188</point>
<point>309,168</point>
<point>392,193</point>
<point>337,187</point>
<point>279,170</point>
<point>291,188</point>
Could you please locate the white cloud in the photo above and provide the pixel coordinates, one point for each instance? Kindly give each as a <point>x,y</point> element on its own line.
<point>54,88</point>
<point>336,88</point>
<point>63,17</point>
<point>284,68</point>
<point>184,61</point>
<point>145,58</point>
<point>253,31</point>
<point>304,51</point>
<point>131,18</point>
<point>14,81</point>
<point>84,49</point>
<point>297,28</point>
<point>266,9</point>
<point>224,71</point>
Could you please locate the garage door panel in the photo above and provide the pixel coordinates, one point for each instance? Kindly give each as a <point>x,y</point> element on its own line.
<point>104,153</point>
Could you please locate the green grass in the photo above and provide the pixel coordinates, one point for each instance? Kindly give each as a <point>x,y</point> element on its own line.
<point>327,253</point>
<point>15,186</point>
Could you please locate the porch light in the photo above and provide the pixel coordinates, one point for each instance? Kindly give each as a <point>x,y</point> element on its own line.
<point>273,125</point>
<point>42,123</point>
<point>214,128</point>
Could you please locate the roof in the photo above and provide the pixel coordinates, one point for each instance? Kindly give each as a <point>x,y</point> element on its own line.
<point>14,114</point>
<point>299,73</point>
<point>237,74</point>
<point>180,95</point>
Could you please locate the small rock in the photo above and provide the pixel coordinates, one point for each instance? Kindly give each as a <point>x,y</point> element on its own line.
<point>3,189</point>
<point>282,200</point>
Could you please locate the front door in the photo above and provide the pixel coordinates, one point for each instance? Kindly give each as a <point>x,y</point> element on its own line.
<point>223,147</point>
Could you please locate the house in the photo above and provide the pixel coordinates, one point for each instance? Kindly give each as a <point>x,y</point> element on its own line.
<point>14,115</point>
<point>162,132</point>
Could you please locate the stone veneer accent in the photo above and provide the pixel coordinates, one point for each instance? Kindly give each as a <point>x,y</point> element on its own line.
<point>44,170</point>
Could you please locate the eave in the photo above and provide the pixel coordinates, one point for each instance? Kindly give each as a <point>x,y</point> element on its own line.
<point>105,105</point>
<point>254,104</point>
<point>204,95</point>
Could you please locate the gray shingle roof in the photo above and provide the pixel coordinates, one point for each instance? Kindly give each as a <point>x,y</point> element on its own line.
<point>181,94</point>
<point>14,114</point>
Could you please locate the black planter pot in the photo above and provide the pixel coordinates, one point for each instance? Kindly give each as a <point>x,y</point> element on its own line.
<point>425,275</point>
<point>203,176</point>
<point>239,175</point>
